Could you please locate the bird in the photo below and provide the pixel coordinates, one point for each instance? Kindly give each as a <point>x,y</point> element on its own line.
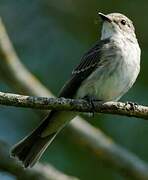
<point>105,73</point>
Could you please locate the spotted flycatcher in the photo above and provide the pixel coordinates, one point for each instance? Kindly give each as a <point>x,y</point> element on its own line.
<point>106,72</point>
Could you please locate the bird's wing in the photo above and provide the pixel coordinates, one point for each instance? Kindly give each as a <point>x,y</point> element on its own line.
<point>88,63</point>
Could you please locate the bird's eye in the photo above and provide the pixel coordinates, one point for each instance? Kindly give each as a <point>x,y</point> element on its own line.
<point>123,22</point>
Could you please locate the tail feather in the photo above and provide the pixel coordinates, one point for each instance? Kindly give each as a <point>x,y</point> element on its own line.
<point>30,149</point>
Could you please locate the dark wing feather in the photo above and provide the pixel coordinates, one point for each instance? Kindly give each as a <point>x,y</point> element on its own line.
<point>87,65</point>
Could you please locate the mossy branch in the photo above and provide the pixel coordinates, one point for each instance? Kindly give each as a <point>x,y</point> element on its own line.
<point>79,105</point>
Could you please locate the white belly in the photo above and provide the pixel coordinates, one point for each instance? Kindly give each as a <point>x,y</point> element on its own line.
<point>107,83</point>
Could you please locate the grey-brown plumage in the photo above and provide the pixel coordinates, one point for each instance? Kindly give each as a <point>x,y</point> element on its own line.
<point>106,72</point>
<point>32,147</point>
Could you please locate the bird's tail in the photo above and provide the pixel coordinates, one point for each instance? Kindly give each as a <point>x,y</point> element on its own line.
<point>30,149</point>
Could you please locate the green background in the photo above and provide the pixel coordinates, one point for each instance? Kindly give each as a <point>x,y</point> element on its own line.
<point>50,36</point>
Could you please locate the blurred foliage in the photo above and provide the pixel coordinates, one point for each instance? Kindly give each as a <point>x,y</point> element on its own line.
<point>50,36</point>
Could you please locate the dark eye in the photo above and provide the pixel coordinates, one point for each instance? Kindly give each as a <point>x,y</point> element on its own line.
<point>123,22</point>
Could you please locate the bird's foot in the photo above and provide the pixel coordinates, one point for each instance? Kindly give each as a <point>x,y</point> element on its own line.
<point>90,100</point>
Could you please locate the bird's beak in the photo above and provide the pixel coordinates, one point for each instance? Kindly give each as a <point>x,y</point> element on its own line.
<point>104,17</point>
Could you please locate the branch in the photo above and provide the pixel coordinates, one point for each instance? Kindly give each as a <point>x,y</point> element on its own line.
<point>44,103</point>
<point>100,145</point>
<point>44,172</point>
<point>109,152</point>
<point>11,67</point>
<point>107,148</point>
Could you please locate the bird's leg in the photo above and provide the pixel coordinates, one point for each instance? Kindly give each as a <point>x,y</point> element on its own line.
<point>90,100</point>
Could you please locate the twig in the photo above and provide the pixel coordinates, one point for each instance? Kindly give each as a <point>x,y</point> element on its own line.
<point>11,67</point>
<point>96,141</point>
<point>39,172</point>
<point>44,103</point>
<point>105,149</point>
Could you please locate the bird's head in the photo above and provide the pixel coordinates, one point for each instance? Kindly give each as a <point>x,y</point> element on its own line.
<point>117,24</point>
